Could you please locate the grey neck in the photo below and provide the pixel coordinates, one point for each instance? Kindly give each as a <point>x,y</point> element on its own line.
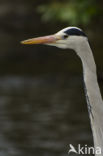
<point>93,95</point>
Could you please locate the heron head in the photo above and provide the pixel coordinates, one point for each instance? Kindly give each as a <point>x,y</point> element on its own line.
<point>70,37</point>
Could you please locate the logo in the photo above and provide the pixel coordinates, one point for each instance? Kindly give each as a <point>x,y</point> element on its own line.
<point>84,150</point>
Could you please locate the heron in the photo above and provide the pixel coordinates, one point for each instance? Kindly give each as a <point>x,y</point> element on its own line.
<point>74,38</point>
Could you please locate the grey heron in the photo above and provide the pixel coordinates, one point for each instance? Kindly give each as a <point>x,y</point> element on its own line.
<point>74,38</point>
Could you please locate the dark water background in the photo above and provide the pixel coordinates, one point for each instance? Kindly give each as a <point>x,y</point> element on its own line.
<point>42,102</point>
<point>42,115</point>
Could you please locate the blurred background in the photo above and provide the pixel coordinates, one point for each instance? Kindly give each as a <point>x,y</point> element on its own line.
<point>42,102</point>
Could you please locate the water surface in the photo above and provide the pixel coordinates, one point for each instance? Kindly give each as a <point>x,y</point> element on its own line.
<point>42,115</point>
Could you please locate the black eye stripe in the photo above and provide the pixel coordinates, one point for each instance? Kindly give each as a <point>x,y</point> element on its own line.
<point>75,32</point>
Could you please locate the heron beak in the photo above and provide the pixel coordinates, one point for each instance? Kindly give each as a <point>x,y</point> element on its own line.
<point>42,40</point>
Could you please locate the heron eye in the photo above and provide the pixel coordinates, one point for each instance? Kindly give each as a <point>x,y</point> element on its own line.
<point>65,36</point>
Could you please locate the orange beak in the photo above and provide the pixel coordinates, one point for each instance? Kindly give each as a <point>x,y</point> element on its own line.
<point>42,40</point>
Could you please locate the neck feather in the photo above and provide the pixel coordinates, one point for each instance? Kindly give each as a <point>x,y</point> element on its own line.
<point>93,95</point>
